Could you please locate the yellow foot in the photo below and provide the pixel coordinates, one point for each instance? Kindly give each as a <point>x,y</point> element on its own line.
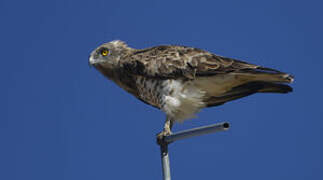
<point>161,135</point>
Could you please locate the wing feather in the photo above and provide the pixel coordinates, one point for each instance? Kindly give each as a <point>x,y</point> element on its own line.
<point>185,62</point>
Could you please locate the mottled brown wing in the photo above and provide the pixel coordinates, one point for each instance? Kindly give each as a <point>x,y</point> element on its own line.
<point>184,62</point>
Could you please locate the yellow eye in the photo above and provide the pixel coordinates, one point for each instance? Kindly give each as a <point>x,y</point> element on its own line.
<point>104,52</point>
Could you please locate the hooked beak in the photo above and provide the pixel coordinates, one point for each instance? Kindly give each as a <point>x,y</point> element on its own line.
<point>91,62</point>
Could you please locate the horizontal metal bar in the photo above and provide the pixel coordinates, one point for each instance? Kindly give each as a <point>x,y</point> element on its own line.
<point>197,132</point>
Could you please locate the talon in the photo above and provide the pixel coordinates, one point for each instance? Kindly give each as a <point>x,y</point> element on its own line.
<point>161,135</point>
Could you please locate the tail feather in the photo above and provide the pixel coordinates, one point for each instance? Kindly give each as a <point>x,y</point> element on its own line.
<point>275,88</point>
<point>248,89</point>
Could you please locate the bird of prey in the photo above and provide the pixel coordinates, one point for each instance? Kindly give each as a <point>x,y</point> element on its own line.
<point>181,80</point>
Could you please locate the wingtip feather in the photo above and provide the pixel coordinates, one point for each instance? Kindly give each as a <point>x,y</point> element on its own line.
<point>289,78</point>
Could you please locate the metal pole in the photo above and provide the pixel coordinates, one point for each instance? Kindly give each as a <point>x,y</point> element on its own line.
<point>165,161</point>
<point>183,135</point>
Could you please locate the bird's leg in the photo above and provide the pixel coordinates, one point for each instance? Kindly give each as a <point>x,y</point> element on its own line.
<point>168,127</point>
<point>166,131</point>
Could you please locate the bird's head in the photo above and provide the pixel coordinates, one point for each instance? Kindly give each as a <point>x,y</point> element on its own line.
<point>108,54</point>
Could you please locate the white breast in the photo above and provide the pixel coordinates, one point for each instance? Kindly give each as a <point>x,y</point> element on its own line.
<point>182,99</point>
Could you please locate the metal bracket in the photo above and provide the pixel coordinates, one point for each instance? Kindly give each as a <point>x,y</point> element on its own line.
<point>183,135</point>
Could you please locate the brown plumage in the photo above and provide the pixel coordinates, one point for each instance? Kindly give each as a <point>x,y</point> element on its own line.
<point>181,80</point>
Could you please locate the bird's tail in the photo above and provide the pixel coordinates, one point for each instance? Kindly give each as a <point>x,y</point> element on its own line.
<point>248,89</point>
<point>265,87</point>
<point>262,87</point>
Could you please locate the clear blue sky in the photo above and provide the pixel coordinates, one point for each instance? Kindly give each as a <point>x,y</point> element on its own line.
<point>61,119</point>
